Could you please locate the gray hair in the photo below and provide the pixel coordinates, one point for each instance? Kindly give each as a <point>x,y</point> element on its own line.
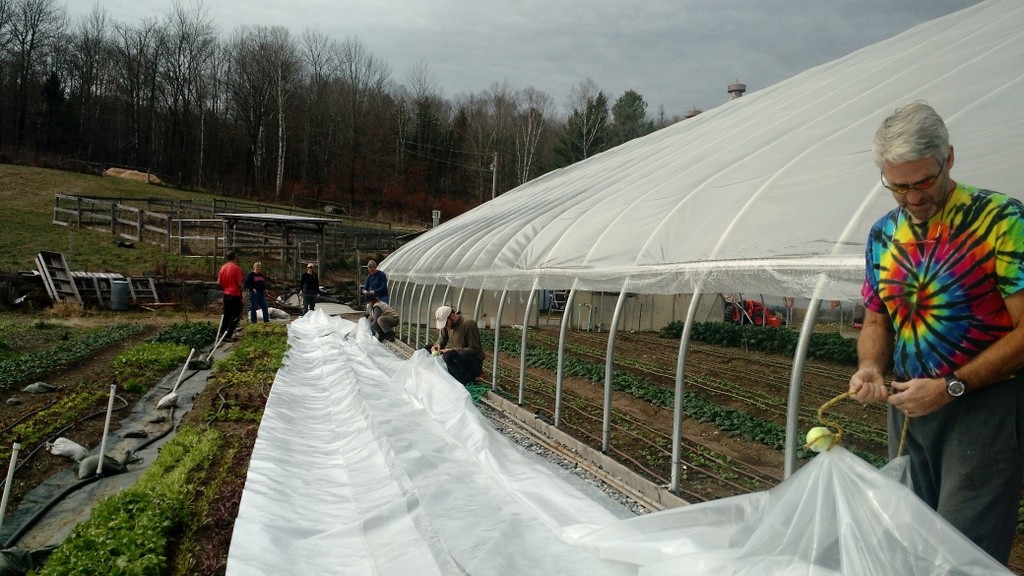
<point>913,132</point>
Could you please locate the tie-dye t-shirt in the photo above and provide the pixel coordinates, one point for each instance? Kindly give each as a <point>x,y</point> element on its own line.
<point>942,282</point>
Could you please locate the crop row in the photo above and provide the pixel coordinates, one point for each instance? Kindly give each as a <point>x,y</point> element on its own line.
<point>46,423</point>
<point>764,401</point>
<point>37,364</point>
<point>697,406</point>
<point>132,532</point>
<point>167,524</point>
<point>823,346</point>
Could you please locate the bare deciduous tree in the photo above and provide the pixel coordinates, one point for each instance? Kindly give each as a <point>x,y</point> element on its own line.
<point>318,54</point>
<point>136,59</point>
<point>35,27</point>
<point>258,113</point>
<point>263,65</point>
<point>365,78</point>
<point>189,44</point>
<point>532,122</point>
<point>586,126</point>
<point>91,85</point>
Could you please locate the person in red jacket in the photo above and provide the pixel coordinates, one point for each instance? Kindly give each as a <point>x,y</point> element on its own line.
<point>230,279</point>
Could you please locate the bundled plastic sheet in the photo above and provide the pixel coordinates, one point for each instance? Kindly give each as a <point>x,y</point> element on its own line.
<point>369,465</point>
<point>836,515</point>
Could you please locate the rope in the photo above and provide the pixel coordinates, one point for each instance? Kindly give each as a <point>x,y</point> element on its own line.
<point>903,435</point>
<point>838,435</point>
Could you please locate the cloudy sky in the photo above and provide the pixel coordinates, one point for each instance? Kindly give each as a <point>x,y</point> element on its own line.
<point>678,54</point>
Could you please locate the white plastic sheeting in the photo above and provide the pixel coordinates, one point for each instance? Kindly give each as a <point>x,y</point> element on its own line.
<point>760,194</point>
<point>836,515</point>
<point>368,465</point>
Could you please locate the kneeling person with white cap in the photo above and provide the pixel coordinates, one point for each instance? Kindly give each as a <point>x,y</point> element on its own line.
<point>459,344</point>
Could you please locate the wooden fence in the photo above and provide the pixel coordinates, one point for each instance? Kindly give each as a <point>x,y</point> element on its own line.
<point>191,228</point>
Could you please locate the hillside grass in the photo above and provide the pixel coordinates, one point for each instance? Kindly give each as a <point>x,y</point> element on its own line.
<point>26,218</point>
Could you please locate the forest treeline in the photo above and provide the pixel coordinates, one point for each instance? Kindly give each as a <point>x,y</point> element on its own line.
<point>264,113</point>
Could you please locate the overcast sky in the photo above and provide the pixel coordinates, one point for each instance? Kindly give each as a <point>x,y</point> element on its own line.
<point>678,54</point>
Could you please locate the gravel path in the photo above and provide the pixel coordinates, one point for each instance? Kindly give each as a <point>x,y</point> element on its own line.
<point>619,503</point>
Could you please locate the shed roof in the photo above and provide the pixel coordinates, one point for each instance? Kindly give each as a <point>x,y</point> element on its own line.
<point>278,218</point>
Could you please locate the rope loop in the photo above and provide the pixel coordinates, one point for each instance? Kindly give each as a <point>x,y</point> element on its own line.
<point>837,436</point>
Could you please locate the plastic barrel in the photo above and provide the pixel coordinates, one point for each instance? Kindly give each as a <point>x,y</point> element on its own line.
<point>119,295</point>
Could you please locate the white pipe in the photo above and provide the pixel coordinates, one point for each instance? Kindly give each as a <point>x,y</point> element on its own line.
<point>215,346</point>
<point>497,337</point>
<point>613,329</point>
<point>419,310</point>
<point>408,295</point>
<point>409,315</point>
<point>429,312</point>
<point>476,310</point>
<point>677,406</point>
<point>444,297</point>
<point>396,298</point>
<point>522,345</point>
<point>559,372</point>
<point>458,302</point>
<point>796,378</point>
<point>10,478</point>
<point>106,429</point>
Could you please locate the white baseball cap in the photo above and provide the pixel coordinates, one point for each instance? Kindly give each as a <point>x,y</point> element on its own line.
<point>441,316</point>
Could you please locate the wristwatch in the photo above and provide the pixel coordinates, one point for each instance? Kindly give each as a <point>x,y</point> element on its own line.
<point>954,386</point>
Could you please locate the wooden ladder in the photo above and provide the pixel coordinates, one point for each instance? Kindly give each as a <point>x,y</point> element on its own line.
<point>143,290</point>
<point>60,285</point>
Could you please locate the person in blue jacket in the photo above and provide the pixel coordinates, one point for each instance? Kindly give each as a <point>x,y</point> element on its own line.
<point>376,283</point>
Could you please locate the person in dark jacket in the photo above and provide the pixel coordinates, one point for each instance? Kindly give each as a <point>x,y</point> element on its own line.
<point>376,283</point>
<point>256,283</point>
<point>309,285</point>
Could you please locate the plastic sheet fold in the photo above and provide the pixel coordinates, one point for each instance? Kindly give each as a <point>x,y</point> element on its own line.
<point>366,464</point>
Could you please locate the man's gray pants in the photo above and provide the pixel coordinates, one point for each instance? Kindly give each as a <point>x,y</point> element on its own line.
<point>967,462</point>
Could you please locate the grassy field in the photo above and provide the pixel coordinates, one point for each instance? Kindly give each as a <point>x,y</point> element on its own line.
<point>26,218</point>
<point>26,221</point>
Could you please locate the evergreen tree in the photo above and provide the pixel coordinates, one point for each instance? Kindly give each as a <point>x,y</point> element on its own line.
<point>629,118</point>
<point>586,131</point>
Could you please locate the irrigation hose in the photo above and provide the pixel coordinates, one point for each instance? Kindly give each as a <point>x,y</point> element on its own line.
<point>11,426</point>
<point>41,513</point>
<point>55,435</point>
<point>46,508</point>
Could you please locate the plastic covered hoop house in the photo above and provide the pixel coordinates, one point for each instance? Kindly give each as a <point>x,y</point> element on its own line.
<point>766,192</point>
<point>772,193</point>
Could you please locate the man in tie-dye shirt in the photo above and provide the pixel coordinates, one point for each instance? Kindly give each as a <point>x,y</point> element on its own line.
<point>944,292</point>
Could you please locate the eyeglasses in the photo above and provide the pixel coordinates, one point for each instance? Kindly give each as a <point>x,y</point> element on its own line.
<point>920,185</point>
